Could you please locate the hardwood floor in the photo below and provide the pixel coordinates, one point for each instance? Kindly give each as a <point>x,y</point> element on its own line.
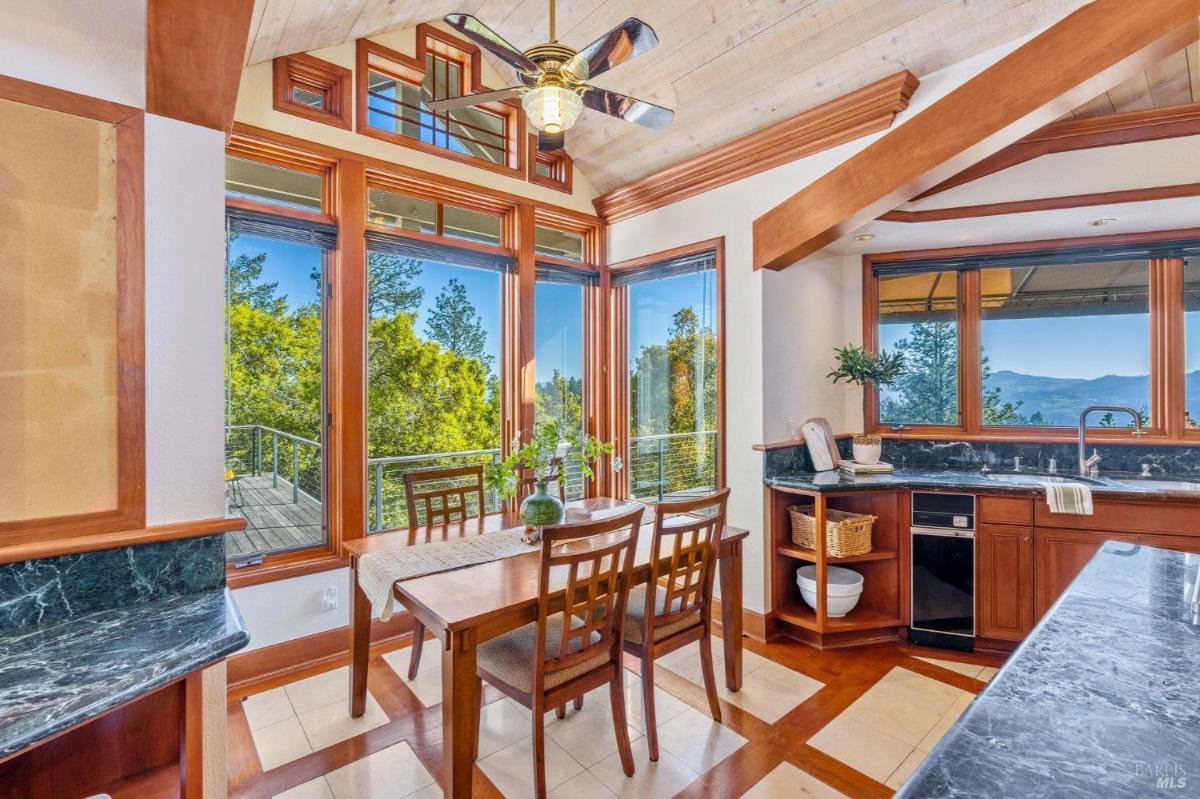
<point>824,721</point>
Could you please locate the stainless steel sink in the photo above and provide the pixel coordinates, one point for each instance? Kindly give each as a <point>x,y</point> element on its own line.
<point>1029,479</point>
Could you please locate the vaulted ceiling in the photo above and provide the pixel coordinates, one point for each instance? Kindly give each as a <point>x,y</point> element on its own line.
<point>727,67</point>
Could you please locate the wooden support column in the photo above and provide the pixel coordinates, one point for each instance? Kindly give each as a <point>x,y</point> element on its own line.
<point>1085,53</point>
<point>194,58</point>
<point>526,405</point>
<point>347,333</point>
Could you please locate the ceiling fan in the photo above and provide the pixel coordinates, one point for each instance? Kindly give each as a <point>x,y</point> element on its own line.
<point>554,78</point>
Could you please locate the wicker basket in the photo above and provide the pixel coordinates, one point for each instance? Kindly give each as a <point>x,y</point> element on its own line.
<point>846,534</point>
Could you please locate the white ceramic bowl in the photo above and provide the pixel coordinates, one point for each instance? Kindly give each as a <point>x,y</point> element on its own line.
<point>843,587</point>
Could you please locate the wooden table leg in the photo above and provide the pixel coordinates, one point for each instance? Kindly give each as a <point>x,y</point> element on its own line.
<point>731,616</point>
<point>360,647</point>
<point>460,698</point>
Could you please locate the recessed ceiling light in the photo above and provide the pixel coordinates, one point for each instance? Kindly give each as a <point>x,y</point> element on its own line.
<point>1108,220</point>
<point>864,237</point>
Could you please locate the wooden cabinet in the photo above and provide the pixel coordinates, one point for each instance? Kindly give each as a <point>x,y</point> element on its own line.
<point>1004,579</point>
<point>1183,543</point>
<point>1060,555</point>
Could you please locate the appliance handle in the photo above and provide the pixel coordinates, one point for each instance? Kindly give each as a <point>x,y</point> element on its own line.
<point>942,532</point>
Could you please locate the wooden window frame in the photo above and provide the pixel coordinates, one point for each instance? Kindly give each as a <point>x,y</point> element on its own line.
<point>617,356</point>
<point>411,69</point>
<point>124,522</point>
<point>307,72</point>
<point>1167,341</point>
<point>345,193</point>
<point>560,165</point>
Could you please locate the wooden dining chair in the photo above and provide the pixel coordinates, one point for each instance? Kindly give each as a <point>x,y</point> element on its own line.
<point>440,496</point>
<point>575,647</point>
<point>679,609</point>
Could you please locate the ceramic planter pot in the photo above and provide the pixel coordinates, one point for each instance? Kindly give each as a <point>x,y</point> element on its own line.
<point>867,449</point>
<point>541,508</point>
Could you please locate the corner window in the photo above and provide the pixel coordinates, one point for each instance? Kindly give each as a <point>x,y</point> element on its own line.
<point>918,317</point>
<point>555,243</point>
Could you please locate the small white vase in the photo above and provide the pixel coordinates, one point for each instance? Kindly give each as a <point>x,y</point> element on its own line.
<point>867,453</point>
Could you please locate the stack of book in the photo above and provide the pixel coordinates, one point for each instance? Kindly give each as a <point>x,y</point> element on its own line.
<point>855,468</point>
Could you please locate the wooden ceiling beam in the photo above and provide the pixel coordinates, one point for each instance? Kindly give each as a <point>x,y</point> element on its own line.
<point>194,57</point>
<point>1082,55</point>
<point>1082,134</point>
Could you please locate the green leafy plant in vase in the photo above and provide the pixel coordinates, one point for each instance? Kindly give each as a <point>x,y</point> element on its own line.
<point>546,456</point>
<point>859,366</point>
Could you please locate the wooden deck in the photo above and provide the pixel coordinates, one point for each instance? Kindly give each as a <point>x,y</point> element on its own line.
<point>274,522</point>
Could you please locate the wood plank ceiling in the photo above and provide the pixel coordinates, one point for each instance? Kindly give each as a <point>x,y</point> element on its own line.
<point>1173,81</point>
<point>727,67</point>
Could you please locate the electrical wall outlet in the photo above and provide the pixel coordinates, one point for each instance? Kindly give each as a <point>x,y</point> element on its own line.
<point>329,598</point>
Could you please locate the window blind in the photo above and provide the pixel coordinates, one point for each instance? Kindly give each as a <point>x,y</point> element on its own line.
<point>1070,255</point>
<point>675,267</point>
<point>554,273</point>
<point>298,231</point>
<point>406,247</point>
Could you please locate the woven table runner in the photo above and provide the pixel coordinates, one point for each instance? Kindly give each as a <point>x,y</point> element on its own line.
<point>379,571</point>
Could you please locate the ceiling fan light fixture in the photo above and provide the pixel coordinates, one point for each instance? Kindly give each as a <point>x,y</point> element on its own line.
<point>552,109</point>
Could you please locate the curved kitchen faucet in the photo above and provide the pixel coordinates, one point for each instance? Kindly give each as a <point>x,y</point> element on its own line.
<point>1086,464</point>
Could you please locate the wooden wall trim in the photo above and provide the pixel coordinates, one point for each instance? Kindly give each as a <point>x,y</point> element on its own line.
<point>863,111</point>
<point>1083,134</point>
<point>194,59</point>
<point>36,550</point>
<point>1045,204</point>
<point>261,669</point>
<point>1085,52</point>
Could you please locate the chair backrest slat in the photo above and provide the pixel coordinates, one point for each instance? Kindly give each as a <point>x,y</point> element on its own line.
<point>440,495</point>
<point>691,530</point>
<point>598,557</point>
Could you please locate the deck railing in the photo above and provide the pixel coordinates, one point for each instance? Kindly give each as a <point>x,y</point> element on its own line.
<point>660,467</point>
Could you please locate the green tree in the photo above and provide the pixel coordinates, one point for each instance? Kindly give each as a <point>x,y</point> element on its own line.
<point>996,410</point>
<point>561,399</point>
<point>927,391</point>
<point>243,276</point>
<point>456,325</point>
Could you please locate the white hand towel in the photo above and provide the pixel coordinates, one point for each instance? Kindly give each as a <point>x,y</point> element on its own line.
<point>1074,498</point>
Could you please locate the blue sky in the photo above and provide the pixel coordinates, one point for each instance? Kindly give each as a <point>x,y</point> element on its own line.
<point>653,304</point>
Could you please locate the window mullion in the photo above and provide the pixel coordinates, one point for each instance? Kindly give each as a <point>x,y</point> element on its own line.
<point>970,352</point>
<point>1168,392</point>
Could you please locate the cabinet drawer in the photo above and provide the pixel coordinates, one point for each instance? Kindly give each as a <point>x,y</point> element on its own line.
<point>1127,517</point>
<point>1006,510</point>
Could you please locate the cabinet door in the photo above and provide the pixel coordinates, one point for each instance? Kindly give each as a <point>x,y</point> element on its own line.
<point>1062,554</point>
<point>1004,581</point>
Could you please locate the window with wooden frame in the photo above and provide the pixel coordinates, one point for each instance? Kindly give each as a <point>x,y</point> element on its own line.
<point>72,398</point>
<point>553,170</point>
<point>1004,341</point>
<point>309,87</point>
<point>667,329</point>
<point>394,90</point>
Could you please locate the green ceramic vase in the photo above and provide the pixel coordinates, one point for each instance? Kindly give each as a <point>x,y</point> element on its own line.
<point>541,508</point>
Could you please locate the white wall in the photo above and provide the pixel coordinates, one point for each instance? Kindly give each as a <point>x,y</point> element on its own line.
<point>185,321</point>
<point>286,609</point>
<point>781,327</point>
<point>93,47</point>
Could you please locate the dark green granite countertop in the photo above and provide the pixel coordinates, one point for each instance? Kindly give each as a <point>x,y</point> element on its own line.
<point>54,676</point>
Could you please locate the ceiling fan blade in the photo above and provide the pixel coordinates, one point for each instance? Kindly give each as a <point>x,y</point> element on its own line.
<point>451,103</point>
<point>630,109</point>
<point>491,41</point>
<point>550,142</point>
<point>629,39</point>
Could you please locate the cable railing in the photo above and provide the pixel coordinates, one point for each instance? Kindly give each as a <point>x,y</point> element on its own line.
<point>660,467</point>
<point>673,465</point>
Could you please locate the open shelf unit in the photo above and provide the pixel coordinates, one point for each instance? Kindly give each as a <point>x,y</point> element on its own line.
<point>881,610</point>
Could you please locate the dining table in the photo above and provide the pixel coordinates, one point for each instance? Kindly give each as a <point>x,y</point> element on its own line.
<point>464,607</point>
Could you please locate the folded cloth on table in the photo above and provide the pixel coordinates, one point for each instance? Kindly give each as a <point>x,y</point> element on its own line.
<point>379,571</point>
<point>1073,498</point>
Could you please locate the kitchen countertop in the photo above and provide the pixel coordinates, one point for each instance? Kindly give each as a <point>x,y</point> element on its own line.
<point>1113,485</point>
<point>55,676</point>
<point>1100,700</point>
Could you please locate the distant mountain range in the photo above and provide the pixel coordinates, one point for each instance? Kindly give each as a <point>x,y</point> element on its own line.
<point>1060,399</point>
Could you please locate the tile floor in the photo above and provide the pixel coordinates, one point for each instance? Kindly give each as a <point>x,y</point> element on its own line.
<point>875,741</point>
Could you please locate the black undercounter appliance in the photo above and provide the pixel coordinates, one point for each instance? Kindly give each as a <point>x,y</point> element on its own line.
<point>943,570</point>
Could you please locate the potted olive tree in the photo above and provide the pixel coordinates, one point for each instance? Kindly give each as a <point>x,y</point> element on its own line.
<point>859,366</point>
